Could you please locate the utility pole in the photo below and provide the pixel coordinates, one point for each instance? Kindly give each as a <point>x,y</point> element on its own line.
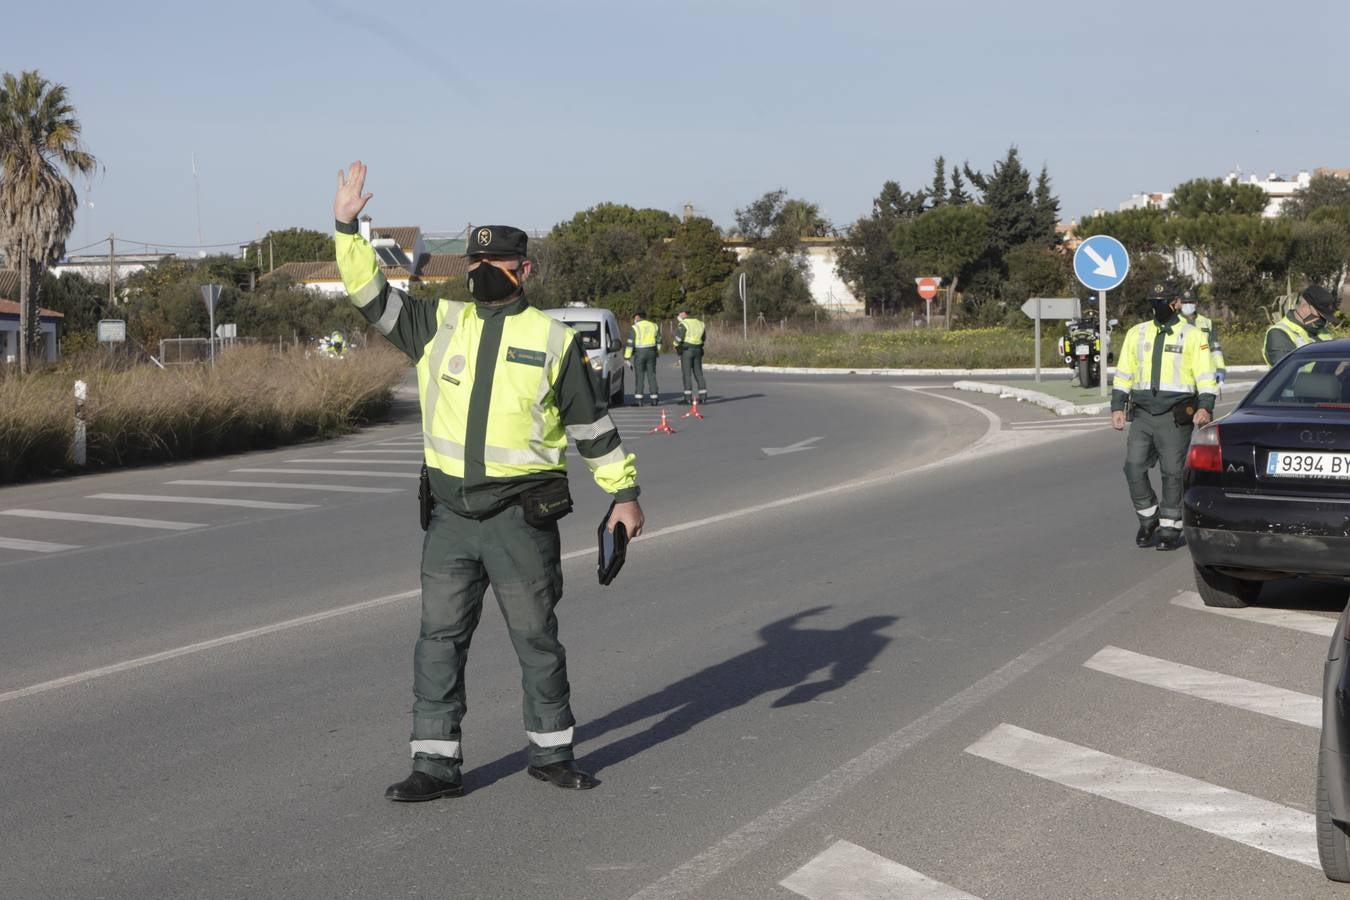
<point>271,256</point>
<point>112,272</point>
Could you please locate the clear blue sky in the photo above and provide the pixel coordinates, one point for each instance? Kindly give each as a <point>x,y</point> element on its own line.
<point>526,112</point>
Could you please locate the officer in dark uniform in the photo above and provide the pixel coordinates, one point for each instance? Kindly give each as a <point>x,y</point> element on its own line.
<point>502,388</point>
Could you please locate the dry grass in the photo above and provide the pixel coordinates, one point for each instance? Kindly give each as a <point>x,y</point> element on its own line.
<point>254,398</point>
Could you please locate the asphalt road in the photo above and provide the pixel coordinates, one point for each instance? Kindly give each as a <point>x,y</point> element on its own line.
<point>923,642</point>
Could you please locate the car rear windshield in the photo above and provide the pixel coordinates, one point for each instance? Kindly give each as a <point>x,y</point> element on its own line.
<point>588,333</point>
<point>1319,382</point>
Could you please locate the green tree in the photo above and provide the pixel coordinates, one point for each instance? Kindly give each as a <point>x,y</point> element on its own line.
<point>937,192</point>
<point>688,271</point>
<point>1215,196</point>
<point>290,245</point>
<point>599,255</point>
<point>77,298</point>
<point>1035,270</point>
<point>1244,256</point>
<point>777,288</point>
<point>1322,192</point>
<point>1013,219</point>
<point>777,223</point>
<point>1140,230</point>
<point>867,258</point>
<point>958,195</point>
<point>947,241</point>
<point>1319,252</point>
<point>39,137</point>
<point>1046,206</point>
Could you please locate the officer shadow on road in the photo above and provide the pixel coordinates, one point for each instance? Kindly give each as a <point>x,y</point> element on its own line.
<point>806,663</point>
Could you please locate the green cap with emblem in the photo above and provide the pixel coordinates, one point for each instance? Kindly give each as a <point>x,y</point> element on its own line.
<point>1164,290</point>
<point>496,240</point>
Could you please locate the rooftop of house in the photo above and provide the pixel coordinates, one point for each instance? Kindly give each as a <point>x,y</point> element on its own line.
<point>9,296</point>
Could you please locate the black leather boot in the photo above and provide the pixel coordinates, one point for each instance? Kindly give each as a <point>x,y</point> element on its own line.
<point>419,787</point>
<point>1144,536</point>
<point>1169,539</point>
<point>564,775</point>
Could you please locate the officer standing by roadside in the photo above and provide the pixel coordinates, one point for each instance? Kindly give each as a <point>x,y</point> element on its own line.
<point>1190,312</point>
<point>644,343</point>
<point>502,388</point>
<point>689,338</point>
<point>1165,379</point>
<point>1306,323</point>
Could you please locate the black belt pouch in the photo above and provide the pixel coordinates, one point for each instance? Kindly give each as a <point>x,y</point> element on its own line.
<point>547,503</point>
<point>424,498</point>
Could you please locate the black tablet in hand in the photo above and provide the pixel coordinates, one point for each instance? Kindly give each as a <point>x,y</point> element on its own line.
<point>613,546</point>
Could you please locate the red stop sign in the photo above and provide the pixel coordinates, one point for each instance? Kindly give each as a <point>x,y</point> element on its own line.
<point>928,287</point>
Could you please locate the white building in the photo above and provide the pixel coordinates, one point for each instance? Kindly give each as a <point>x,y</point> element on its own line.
<point>1278,189</point>
<point>9,322</point>
<point>95,267</point>
<point>403,257</point>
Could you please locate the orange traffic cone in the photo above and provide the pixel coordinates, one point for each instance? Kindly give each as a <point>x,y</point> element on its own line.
<point>664,426</point>
<point>693,412</point>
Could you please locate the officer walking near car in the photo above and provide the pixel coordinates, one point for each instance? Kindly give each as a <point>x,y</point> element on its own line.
<point>1308,322</point>
<point>1189,312</point>
<point>1164,387</point>
<point>502,388</point>
<point>644,344</point>
<point>689,338</point>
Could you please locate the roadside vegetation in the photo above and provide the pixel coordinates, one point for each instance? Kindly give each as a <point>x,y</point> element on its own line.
<point>254,398</point>
<point>973,348</point>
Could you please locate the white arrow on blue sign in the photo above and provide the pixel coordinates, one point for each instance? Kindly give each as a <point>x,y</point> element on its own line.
<point>1101,263</point>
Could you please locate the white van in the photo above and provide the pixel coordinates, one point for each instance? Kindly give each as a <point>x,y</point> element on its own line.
<point>598,332</point>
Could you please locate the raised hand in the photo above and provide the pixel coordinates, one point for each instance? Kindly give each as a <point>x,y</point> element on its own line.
<point>349,202</point>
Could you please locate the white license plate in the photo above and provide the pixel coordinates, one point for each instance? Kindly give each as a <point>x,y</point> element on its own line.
<point>1319,464</point>
<point>1081,349</point>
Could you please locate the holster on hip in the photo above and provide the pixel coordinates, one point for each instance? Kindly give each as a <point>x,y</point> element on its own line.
<point>547,503</point>
<point>1183,413</point>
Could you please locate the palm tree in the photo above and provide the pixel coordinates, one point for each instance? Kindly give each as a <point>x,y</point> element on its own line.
<point>39,136</point>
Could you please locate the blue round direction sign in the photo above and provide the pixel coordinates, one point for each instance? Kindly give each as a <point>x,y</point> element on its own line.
<point>1101,263</point>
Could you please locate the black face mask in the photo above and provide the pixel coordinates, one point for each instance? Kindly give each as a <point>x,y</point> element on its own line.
<point>1314,323</point>
<point>489,284</point>
<point>1162,311</point>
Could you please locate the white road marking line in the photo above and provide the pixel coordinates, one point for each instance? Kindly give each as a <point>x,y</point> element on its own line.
<point>204,501</point>
<point>122,521</point>
<point>351,472</point>
<point>34,546</point>
<point>1094,420</point>
<point>417,451</point>
<point>399,444</point>
<point>176,652</point>
<point>1065,426</point>
<point>290,486</point>
<point>353,462</point>
<point>848,872</point>
<point>1281,618</point>
<point>1248,820</point>
<point>1229,690</point>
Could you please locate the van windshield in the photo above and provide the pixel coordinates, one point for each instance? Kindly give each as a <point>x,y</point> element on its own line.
<point>588,333</point>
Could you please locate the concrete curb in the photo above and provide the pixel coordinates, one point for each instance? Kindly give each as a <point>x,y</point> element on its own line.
<point>914,373</point>
<point>1055,404</point>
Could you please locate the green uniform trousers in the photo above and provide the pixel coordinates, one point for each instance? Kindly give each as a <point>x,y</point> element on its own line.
<point>1156,438</point>
<point>460,558</point>
<point>644,372</point>
<point>691,369</point>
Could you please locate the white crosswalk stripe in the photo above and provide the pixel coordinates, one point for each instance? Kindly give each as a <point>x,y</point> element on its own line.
<point>1276,829</point>
<point>1229,690</point>
<point>119,521</point>
<point>350,472</point>
<point>418,451</point>
<point>203,501</point>
<point>289,485</point>
<point>1281,618</point>
<point>848,872</point>
<point>355,462</point>
<point>34,546</point>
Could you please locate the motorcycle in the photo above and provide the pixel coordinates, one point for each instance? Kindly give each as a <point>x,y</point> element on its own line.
<point>1081,349</point>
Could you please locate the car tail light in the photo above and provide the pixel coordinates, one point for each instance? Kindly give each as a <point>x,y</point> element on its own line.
<point>1205,455</point>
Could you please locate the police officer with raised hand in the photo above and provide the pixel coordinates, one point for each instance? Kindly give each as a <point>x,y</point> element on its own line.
<point>1307,323</point>
<point>1164,386</point>
<point>502,388</point>
<point>689,338</point>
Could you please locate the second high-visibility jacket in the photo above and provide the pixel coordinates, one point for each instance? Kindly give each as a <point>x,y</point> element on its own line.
<point>644,336</point>
<point>1206,324</point>
<point>1161,365</point>
<point>1286,336</point>
<point>690,332</point>
<point>502,389</point>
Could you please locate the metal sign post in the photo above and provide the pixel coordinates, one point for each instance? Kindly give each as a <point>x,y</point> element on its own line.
<point>211,296</point>
<point>745,313</point>
<point>1101,263</point>
<point>1038,340</point>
